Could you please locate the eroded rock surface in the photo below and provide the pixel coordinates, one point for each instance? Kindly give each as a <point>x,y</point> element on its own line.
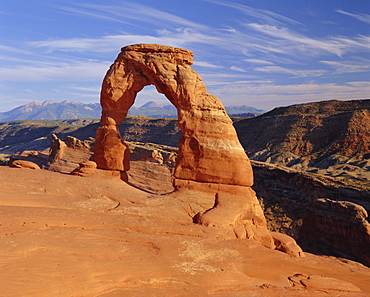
<point>316,282</point>
<point>210,153</point>
<point>207,131</point>
<point>57,148</point>
<point>340,225</point>
<point>75,143</point>
<point>24,164</point>
<point>286,244</point>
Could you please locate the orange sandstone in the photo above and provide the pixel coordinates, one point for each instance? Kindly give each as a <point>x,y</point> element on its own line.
<point>210,156</point>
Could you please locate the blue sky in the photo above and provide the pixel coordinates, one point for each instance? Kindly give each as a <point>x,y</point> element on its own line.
<point>263,53</point>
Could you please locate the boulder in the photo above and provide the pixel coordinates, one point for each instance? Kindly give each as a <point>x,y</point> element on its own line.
<point>24,164</point>
<point>35,157</point>
<point>286,244</point>
<point>85,169</point>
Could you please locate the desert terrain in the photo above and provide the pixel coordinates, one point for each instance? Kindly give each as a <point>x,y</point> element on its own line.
<point>65,235</point>
<point>148,218</point>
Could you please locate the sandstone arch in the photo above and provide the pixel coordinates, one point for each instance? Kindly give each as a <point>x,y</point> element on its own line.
<point>209,150</point>
<point>210,155</point>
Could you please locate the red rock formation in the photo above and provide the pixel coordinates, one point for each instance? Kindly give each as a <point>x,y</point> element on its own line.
<point>57,148</point>
<point>339,225</point>
<point>287,244</point>
<point>207,131</point>
<point>308,132</point>
<point>86,168</point>
<point>24,164</point>
<point>209,150</point>
<point>75,143</point>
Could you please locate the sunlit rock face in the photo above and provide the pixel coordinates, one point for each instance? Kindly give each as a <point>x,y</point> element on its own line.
<point>209,149</point>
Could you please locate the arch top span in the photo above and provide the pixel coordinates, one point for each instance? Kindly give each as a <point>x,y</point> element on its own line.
<point>181,54</point>
<point>209,149</point>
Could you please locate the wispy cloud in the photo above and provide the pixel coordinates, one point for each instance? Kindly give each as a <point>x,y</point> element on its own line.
<point>261,14</point>
<point>89,89</point>
<point>363,17</point>
<point>293,72</point>
<point>112,43</point>
<point>269,38</point>
<point>124,11</point>
<point>348,66</point>
<point>74,71</point>
<point>259,61</point>
<point>263,95</point>
<point>235,68</point>
<point>206,65</point>
<point>298,40</point>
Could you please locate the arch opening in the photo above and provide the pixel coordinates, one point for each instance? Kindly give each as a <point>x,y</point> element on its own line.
<point>149,102</point>
<point>152,140</point>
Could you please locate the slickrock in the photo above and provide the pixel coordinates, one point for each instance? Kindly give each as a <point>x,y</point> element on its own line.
<point>316,282</point>
<point>286,244</point>
<point>62,235</point>
<point>24,164</point>
<point>38,158</point>
<point>210,153</point>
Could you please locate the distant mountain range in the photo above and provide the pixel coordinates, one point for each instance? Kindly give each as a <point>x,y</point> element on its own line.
<point>51,110</point>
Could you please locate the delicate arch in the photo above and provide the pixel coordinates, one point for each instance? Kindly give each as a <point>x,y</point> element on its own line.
<point>209,149</point>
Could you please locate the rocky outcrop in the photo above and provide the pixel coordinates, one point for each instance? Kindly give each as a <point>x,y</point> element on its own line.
<point>34,157</point>
<point>320,283</point>
<point>24,164</point>
<point>151,152</point>
<point>207,131</point>
<point>209,150</point>
<point>85,169</point>
<point>286,193</point>
<point>57,148</point>
<point>75,143</point>
<point>306,134</point>
<point>286,244</point>
<point>342,226</point>
<point>291,201</point>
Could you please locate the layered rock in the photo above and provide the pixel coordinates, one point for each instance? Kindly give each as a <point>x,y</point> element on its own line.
<point>310,134</point>
<point>207,131</point>
<point>209,150</point>
<point>151,152</point>
<point>341,226</point>
<point>85,169</point>
<point>75,143</point>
